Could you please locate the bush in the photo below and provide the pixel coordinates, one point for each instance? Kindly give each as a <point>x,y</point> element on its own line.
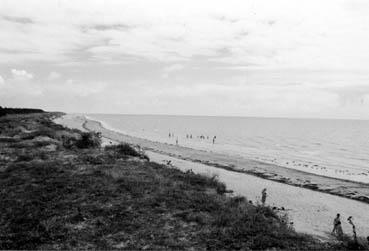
<point>89,140</point>
<point>24,157</point>
<point>124,150</point>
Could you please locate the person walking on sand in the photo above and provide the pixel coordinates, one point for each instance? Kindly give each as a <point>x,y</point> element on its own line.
<point>263,196</point>
<point>337,227</point>
<point>214,139</point>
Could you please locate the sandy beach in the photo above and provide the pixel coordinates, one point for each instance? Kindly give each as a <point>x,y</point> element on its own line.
<point>310,200</point>
<point>340,187</point>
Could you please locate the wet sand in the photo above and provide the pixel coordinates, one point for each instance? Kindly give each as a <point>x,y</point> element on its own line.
<point>306,197</point>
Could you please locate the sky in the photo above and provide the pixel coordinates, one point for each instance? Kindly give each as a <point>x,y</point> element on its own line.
<point>268,58</point>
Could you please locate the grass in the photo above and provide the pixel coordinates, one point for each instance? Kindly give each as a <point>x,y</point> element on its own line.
<point>73,197</point>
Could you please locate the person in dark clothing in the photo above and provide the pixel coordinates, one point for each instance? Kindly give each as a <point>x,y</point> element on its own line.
<point>337,227</point>
<point>263,196</point>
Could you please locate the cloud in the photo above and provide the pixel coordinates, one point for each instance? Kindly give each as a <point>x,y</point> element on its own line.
<point>79,88</point>
<point>106,27</point>
<point>70,31</point>
<point>226,19</point>
<point>170,69</point>
<point>271,22</point>
<point>174,67</point>
<point>53,76</point>
<point>21,74</point>
<point>19,86</point>
<point>244,53</point>
<point>2,81</point>
<point>20,20</point>
<point>349,95</point>
<point>65,29</point>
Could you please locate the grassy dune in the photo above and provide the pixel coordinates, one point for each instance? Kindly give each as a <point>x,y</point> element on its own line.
<point>61,190</point>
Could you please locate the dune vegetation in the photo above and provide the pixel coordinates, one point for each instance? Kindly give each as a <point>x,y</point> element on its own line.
<point>60,189</point>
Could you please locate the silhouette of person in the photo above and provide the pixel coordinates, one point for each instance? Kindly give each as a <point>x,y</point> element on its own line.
<point>263,195</point>
<point>214,139</point>
<point>353,228</point>
<point>337,227</point>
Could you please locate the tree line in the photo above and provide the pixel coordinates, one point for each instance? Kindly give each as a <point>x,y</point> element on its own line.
<point>5,110</point>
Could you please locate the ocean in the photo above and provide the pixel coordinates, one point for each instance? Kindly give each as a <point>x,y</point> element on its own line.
<point>333,148</point>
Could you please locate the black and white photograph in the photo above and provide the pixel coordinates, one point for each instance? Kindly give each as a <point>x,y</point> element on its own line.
<point>184,125</point>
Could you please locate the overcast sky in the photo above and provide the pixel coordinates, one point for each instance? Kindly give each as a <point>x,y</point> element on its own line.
<point>239,58</point>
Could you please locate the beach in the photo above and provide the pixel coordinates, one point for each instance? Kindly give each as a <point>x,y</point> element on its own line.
<point>311,201</point>
<point>331,148</point>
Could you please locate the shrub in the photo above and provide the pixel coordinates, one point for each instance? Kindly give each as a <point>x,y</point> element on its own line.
<point>201,181</point>
<point>69,142</point>
<point>24,157</point>
<point>89,140</point>
<point>124,149</point>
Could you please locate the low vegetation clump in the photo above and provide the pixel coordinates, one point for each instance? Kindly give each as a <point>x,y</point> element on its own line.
<point>125,150</point>
<point>89,140</point>
<point>93,198</point>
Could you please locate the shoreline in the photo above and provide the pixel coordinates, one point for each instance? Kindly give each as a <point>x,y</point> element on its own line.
<point>330,185</point>
<point>313,216</point>
<point>332,157</point>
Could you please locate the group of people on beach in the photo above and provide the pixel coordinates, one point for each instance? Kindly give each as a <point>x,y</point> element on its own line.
<point>337,226</point>
<point>189,136</point>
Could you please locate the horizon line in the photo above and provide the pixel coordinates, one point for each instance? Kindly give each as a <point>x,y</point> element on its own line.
<point>224,116</point>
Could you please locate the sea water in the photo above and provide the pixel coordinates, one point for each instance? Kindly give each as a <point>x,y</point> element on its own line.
<point>334,148</point>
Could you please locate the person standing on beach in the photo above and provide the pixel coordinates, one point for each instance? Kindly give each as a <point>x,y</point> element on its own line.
<point>263,196</point>
<point>337,227</point>
<point>353,228</point>
<point>214,139</point>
